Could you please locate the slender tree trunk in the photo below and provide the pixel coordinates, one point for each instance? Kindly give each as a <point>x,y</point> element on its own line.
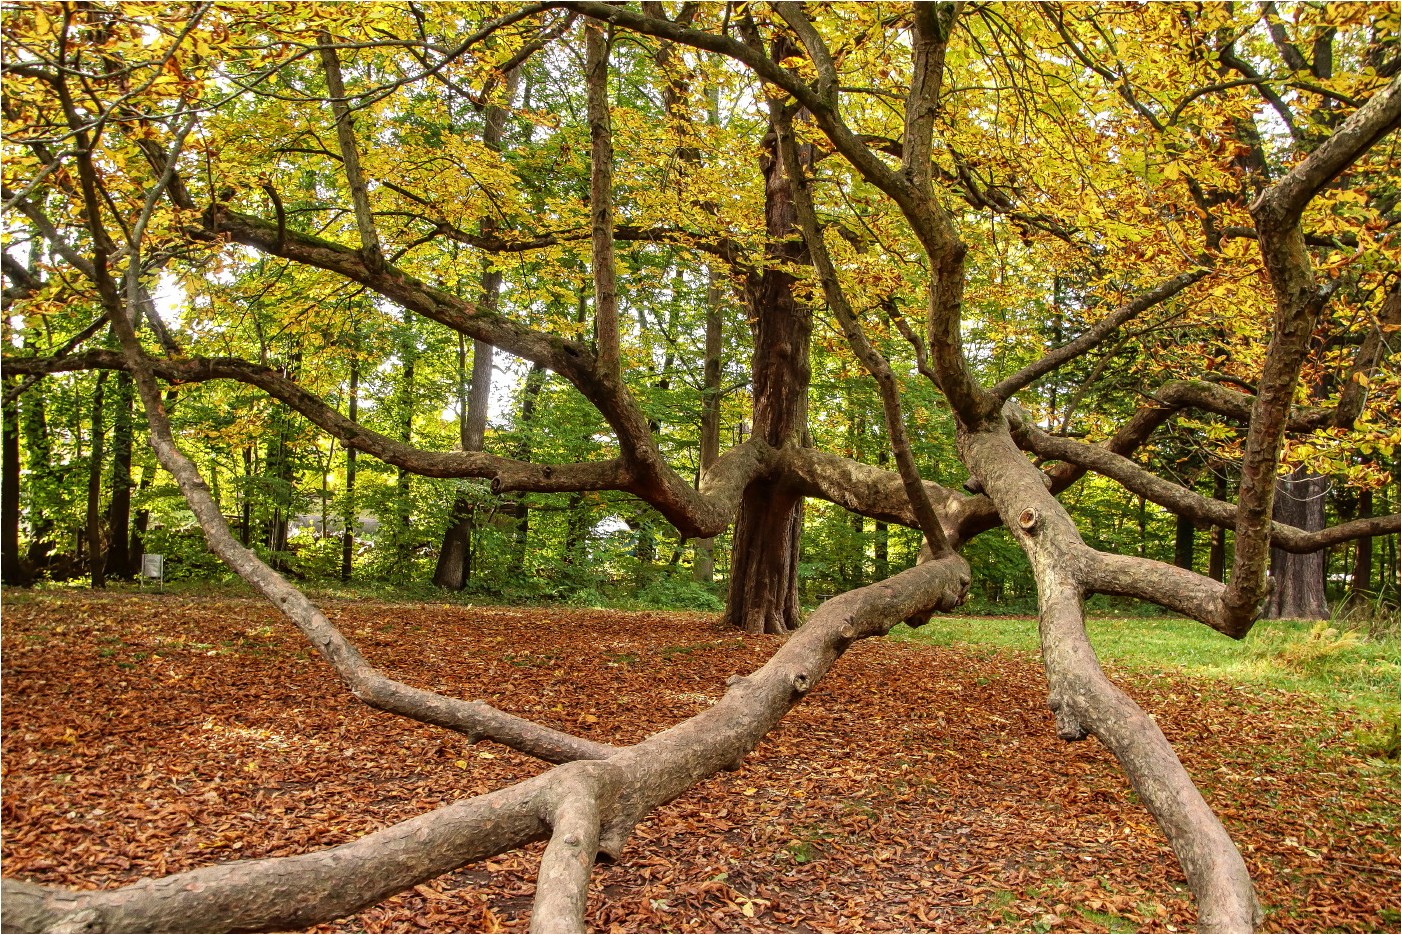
<point>763,596</point>
<point>13,569</point>
<point>1217,557</point>
<point>454,567</point>
<point>704,563</point>
<point>403,534</point>
<point>34,427</point>
<point>246,510</point>
<point>1360,592</point>
<point>352,515</point>
<point>535,379</point>
<point>96,558</point>
<point>140,524</point>
<point>881,547</point>
<point>1183,534</point>
<point>1297,591</point>
<point>119,559</point>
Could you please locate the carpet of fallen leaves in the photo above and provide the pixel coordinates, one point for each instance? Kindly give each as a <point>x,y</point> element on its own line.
<point>917,789</point>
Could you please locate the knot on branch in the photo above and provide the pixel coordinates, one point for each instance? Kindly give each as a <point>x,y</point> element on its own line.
<point>1068,726</point>
<point>1029,518</point>
<point>801,682</point>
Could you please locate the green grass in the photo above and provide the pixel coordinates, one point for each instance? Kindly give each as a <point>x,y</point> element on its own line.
<point>1345,668</point>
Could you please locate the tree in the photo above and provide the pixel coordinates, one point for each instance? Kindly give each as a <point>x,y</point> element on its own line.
<point>1111,153</point>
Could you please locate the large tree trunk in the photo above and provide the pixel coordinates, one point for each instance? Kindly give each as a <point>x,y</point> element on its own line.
<point>1297,591</point>
<point>1183,533</point>
<point>763,595</point>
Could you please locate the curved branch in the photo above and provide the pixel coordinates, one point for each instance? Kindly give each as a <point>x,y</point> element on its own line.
<point>1095,334</point>
<point>872,359</point>
<point>562,886</point>
<point>1182,501</point>
<point>1086,702</point>
<point>295,892</point>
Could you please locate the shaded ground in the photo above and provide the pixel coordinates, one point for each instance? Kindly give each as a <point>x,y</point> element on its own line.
<point>917,789</point>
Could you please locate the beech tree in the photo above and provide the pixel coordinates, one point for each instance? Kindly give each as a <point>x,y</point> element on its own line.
<point>1005,216</point>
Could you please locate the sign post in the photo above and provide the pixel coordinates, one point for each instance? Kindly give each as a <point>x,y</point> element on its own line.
<point>153,565</point>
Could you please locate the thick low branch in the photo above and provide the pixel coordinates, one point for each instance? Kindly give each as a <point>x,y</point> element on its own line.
<point>861,488</point>
<point>295,892</point>
<point>507,474</point>
<point>583,800</point>
<point>1086,702</point>
<point>287,893</point>
<point>1182,501</point>
<point>651,476</point>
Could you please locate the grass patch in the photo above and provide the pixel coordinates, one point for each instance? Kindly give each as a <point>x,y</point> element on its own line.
<point>1341,666</point>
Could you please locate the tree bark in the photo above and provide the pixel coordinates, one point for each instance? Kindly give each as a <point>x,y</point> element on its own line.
<point>1360,591</point>
<point>352,514</point>
<point>1183,534</point>
<point>704,563</point>
<point>763,595</point>
<point>96,556</point>
<point>1297,591</point>
<point>454,567</point>
<point>1217,556</point>
<point>13,569</point>
<point>119,559</point>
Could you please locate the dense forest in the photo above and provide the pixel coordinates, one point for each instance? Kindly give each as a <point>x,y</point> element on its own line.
<point>878,309</point>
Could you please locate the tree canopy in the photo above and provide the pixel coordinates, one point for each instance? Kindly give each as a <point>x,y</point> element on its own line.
<point>720,281</point>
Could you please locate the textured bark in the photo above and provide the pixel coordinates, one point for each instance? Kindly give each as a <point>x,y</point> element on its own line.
<point>350,155</point>
<point>120,562</point>
<point>1297,580</point>
<point>351,517</point>
<point>1298,301</point>
<point>763,593</point>
<point>1085,701</point>
<point>871,359</point>
<point>13,569</point>
<point>296,892</point>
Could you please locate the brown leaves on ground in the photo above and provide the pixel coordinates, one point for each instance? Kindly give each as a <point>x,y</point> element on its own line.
<point>917,789</point>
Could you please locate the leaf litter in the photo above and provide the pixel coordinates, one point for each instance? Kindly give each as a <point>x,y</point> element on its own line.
<point>917,788</point>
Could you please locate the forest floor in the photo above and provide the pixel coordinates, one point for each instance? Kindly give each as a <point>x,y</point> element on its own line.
<point>918,788</point>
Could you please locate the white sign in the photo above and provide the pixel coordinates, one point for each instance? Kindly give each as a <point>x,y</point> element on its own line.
<point>153,565</point>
